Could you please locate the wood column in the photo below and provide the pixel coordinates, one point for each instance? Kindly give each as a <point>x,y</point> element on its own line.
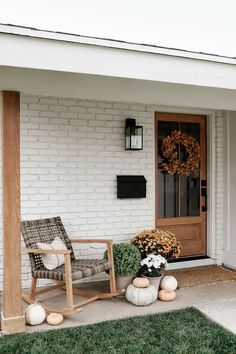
<point>12,319</point>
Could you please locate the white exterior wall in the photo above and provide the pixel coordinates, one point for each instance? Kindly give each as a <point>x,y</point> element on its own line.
<point>1,244</point>
<point>219,198</point>
<point>229,244</point>
<point>71,152</point>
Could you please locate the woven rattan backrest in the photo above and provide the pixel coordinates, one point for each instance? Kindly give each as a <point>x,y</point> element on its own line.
<point>43,230</point>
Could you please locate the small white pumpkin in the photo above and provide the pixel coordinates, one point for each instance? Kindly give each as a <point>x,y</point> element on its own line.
<point>54,319</point>
<point>169,282</point>
<point>35,314</point>
<point>141,296</point>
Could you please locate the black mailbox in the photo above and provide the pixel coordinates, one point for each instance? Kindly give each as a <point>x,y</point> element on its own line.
<point>131,187</point>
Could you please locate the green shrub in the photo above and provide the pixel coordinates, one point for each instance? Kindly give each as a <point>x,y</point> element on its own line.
<point>127,259</point>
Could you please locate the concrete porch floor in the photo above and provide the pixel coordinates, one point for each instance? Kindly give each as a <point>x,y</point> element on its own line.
<point>217,301</point>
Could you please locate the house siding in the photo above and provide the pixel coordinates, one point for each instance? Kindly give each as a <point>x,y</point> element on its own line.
<point>71,152</point>
<point>1,243</point>
<point>219,206</point>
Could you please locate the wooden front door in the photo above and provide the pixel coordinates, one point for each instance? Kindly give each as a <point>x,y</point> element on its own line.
<point>180,195</point>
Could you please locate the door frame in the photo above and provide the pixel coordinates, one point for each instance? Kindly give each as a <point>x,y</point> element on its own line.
<point>210,168</point>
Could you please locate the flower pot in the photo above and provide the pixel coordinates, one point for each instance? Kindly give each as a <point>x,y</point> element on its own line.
<point>155,281</point>
<point>123,282</point>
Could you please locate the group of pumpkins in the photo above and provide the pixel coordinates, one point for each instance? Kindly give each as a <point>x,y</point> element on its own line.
<point>35,315</point>
<point>141,293</point>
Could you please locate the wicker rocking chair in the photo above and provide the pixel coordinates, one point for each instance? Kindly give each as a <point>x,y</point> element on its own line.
<point>45,230</point>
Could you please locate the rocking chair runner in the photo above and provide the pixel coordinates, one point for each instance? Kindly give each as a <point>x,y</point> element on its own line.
<point>45,230</point>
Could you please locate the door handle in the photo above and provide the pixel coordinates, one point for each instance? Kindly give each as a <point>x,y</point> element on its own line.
<point>204,194</point>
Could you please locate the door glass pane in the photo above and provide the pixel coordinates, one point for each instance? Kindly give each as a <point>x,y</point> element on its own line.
<point>178,195</point>
<point>168,203</point>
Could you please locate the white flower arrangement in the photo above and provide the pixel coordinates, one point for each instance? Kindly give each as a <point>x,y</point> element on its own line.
<point>152,265</point>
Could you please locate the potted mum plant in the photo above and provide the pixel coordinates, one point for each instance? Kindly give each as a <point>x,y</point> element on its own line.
<point>127,260</point>
<point>156,242</point>
<point>152,267</point>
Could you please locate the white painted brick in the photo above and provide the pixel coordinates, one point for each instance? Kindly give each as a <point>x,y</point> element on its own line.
<point>67,115</point>
<point>77,109</point>
<point>47,100</point>
<point>112,111</point>
<point>67,102</point>
<point>104,105</point>
<point>95,110</point>
<point>58,108</point>
<point>37,107</point>
<point>29,99</point>
<point>48,114</point>
<point>87,103</point>
<point>103,117</point>
<point>121,106</point>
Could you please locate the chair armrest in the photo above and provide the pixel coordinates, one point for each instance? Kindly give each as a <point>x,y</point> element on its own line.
<point>90,241</point>
<point>40,250</point>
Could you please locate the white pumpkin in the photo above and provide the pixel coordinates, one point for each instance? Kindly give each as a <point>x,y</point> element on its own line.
<point>169,282</point>
<point>54,319</point>
<point>141,296</point>
<point>35,314</point>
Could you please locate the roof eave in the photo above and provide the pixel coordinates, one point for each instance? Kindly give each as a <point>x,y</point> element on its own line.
<point>111,43</point>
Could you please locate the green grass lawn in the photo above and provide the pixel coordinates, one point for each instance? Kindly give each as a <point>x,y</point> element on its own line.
<point>182,331</point>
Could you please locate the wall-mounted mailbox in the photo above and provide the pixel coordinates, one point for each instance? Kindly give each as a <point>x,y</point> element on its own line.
<point>131,187</point>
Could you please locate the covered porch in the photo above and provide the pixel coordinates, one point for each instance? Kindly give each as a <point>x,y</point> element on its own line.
<point>216,301</point>
<point>63,143</point>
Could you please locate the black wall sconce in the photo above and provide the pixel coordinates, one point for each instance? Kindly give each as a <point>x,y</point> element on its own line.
<point>133,135</point>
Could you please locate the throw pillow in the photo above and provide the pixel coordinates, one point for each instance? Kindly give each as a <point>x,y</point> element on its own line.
<point>52,261</point>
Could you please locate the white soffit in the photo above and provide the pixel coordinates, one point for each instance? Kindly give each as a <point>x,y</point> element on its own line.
<point>94,87</point>
<point>38,49</point>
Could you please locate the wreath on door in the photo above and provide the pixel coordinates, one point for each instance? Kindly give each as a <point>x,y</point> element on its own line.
<point>191,151</point>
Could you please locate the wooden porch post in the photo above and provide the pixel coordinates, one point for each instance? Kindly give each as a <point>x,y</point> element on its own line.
<point>12,318</point>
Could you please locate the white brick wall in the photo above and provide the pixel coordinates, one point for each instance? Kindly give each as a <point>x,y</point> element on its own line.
<point>71,152</point>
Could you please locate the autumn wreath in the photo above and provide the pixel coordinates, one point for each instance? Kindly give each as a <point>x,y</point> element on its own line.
<point>172,164</point>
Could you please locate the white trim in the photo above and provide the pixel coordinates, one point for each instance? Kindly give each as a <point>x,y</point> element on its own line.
<point>184,110</point>
<point>111,43</point>
<point>154,166</point>
<point>228,194</point>
<point>70,57</point>
<point>211,244</point>
<point>191,264</point>
<point>229,259</point>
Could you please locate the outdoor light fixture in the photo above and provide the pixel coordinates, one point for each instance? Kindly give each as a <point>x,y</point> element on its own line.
<point>133,135</point>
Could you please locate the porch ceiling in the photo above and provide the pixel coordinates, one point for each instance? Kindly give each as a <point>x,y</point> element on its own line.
<point>65,84</point>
